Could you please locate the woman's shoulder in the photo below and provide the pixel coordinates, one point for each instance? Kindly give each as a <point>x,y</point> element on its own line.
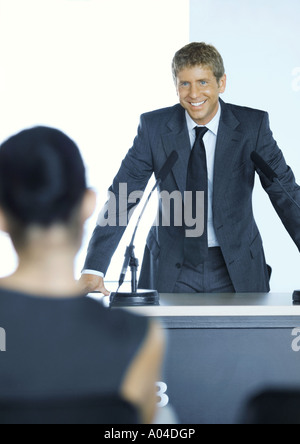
<point>120,320</point>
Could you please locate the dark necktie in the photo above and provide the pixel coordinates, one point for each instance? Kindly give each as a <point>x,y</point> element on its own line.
<point>196,248</point>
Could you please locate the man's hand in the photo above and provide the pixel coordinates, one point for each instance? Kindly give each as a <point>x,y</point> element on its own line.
<point>89,283</point>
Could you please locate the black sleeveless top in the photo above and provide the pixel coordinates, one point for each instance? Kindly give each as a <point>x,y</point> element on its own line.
<point>65,346</point>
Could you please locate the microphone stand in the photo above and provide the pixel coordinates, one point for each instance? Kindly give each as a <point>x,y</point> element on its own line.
<point>273,177</point>
<point>136,298</point>
<point>296,293</point>
<point>134,264</point>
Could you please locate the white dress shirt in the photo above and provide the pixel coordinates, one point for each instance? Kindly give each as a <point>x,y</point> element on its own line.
<point>210,141</point>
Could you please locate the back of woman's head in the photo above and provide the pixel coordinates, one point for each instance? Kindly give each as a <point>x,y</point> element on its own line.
<point>42,177</point>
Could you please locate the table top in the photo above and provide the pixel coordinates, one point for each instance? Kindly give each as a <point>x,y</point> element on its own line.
<point>238,304</point>
<point>238,309</point>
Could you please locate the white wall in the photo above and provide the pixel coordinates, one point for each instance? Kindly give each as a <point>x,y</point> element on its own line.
<point>90,68</point>
<point>259,41</point>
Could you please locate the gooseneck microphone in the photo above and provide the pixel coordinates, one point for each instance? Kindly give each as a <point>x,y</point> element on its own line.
<point>260,163</point>
<point>134,298</point>
<point>162,175</point>
<point>263,166</point>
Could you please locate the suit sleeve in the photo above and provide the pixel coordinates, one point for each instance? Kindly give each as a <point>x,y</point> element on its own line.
<point>288,212</point>
<point>124,196</point>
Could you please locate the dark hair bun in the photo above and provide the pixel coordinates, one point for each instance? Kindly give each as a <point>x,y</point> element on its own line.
<point>42,176</point>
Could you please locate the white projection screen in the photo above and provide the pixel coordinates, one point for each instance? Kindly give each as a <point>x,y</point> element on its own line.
<point>91,67</point>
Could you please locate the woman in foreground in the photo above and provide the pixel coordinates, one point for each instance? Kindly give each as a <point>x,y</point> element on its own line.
<point>60,342</point>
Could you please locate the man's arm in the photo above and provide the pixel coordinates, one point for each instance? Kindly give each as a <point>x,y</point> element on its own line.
<point>133,176</point>
<point>289,214</point>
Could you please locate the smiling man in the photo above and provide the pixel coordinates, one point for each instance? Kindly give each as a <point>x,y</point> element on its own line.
<point>214,141</point>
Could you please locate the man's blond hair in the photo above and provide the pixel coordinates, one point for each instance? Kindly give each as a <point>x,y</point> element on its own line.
<point>196,54</point>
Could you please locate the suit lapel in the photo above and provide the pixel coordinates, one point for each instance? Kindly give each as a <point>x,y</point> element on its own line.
<point>228,141</point>
<point>178,139</point>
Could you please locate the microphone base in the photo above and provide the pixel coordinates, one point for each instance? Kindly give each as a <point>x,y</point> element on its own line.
<point>142,298</point>
<point>296,297</point>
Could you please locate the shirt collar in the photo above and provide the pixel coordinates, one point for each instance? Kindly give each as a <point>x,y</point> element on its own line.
<point>213,125</point>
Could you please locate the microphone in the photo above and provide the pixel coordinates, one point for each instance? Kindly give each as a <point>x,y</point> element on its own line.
<point>263,166</point>
<point>129,255</point>
<point>273,177</point>
<point>162,175</point>
<point>168,166</point>
<point>270,174</point>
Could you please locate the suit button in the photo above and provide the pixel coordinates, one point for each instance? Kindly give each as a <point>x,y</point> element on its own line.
<point>178,266</point>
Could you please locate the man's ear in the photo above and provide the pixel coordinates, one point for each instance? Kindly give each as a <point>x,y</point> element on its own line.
<point>3,222</point>
<point>222,84</point>
<point>176,86</point>
<point>88,205</point>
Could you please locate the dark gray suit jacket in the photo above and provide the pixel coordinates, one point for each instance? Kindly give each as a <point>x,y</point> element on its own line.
<point>241,131</point>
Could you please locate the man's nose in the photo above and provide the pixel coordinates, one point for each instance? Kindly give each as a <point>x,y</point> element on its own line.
<point>194,92</point>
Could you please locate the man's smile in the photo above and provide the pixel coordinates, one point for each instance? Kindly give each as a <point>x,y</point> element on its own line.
<point>197,104</point>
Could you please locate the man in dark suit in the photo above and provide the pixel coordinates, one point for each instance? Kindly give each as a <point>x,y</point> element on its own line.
<point>214,141</point>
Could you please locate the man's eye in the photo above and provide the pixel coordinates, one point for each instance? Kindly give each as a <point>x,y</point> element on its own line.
<point>185,84</point>
<point>203,83</point>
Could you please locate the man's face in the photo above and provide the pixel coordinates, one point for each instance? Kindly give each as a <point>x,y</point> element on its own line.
<point>198,91</point>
